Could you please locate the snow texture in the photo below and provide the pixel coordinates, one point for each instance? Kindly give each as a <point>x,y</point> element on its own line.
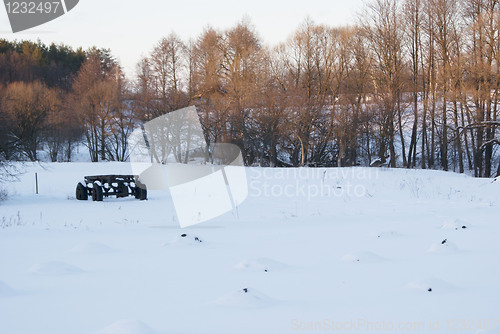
<point>308,248</point>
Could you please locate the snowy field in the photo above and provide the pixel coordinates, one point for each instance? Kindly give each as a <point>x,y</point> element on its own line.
<point>310,251</point>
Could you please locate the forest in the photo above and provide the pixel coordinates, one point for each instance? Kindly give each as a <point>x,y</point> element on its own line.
<point>413,83</point>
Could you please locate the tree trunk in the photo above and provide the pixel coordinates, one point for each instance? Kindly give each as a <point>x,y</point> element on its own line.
<point>444,139</point>
<point>458,143</point>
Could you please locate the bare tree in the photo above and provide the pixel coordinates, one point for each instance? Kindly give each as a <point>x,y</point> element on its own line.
<point>207,85</point>
<point>356,92</point>
<point>167,66</point>
<point>413,17</point>
<point>241,62</point>
<point>96,99</point>
<point>28,106</point>
<point>482,17</point>
<point>383,31</point>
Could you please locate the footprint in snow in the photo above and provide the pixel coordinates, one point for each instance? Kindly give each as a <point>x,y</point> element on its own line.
<point>6,291</point>
<point>428,285</point>
<point>388,234</point>
<point>246,297</point>
<point>443,247</point>
<point>456,225</point>
<point>92,248</point>
<point>126,327</point>
<point>362,257</point>
<point>261,265</point>
<point>185,239</point>
<point>54,268</point>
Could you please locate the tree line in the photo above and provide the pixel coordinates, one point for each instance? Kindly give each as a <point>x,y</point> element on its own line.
<point>415,83</point>
<point>52,100</point>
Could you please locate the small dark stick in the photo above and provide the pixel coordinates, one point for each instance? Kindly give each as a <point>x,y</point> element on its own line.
<point>444,241</point>
<point>430,290</point>
<point>183,235</point>
<point>245,290</point>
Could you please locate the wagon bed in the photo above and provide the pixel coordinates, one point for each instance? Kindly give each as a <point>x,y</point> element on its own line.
<point>100,186</point>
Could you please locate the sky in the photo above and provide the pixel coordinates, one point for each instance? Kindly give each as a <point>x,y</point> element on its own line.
<point>132,28</point>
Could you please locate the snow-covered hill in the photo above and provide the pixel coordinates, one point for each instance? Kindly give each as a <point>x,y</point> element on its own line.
<point>310,250</point>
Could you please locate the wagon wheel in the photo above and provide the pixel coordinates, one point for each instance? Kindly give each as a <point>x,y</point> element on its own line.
<point>97,193</point>
<point>122,190</point>
<point>143,194</point>
<point>140,191</point>
<point>81,192</point>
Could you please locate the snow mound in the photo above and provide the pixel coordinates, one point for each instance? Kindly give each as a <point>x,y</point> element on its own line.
<point>186,239</point>
<point>5,290</point>
<point>91,248</point>
<point>456,224</point>
<point>126,327</point>
<point>430,285</point>
<point>261,265</point>
<point>54,268</point>
<point>245,298</point>
<point>363,257</point>
<point>443,247</point>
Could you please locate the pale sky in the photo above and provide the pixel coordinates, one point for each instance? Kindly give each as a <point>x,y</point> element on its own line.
<point>131,28</point>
